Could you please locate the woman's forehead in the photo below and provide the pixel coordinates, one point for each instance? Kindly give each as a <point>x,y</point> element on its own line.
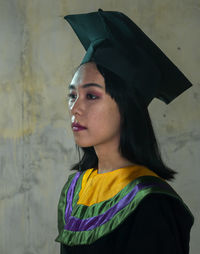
<point>87,75</point>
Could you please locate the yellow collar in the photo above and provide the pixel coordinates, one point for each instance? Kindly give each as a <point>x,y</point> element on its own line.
<point>96,187</point>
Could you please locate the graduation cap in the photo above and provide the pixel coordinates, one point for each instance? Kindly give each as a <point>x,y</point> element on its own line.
<point>114,41</point>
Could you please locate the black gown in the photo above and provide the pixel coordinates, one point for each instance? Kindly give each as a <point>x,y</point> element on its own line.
<point>159,225</point>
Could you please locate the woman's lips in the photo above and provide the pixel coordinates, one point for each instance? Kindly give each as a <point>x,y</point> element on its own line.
<point>77,127</point>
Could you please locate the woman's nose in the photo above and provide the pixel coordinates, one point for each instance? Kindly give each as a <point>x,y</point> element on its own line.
<point>76,107</point>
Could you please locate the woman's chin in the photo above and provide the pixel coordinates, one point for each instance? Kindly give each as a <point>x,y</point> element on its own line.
<point>83,144</point>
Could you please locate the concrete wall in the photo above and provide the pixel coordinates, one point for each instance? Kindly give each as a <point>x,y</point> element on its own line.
<point>38,54</point>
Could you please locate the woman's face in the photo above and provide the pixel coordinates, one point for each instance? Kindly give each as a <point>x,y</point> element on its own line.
<point>93,108</point>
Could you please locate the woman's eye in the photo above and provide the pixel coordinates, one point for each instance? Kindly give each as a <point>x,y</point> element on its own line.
<point>71,96</point>
<point>92,96</point>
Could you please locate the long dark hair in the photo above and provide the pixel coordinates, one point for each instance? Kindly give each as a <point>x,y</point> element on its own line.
<point>137,139</point>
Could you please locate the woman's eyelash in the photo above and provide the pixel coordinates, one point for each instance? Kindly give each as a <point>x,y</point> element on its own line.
<point>73,96</point>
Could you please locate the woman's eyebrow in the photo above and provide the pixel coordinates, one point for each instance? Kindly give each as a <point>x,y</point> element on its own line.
<point>71,86</point>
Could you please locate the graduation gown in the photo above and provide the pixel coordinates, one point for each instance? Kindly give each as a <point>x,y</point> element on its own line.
<point>128,210</point>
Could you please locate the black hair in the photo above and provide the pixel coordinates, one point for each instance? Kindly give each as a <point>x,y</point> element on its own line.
<point>137,143</point>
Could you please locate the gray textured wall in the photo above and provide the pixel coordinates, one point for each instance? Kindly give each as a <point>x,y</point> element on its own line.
<point>38,53</point>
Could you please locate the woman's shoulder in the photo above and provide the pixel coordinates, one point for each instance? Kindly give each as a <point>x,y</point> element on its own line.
<point>162,207</point>
<point>160,223</point>
<point>68,181</point>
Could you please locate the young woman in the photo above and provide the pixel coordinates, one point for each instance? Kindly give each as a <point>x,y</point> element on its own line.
<point>118,201</point>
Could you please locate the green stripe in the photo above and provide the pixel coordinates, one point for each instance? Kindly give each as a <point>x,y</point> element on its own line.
<point>77,190</point>
<point>62,203</point>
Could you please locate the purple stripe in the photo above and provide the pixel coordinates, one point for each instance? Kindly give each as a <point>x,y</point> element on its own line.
<point>76,224</point>
<point>70,195</point>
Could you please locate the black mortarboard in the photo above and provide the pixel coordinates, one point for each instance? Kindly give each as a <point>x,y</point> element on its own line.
<point>114,41</point>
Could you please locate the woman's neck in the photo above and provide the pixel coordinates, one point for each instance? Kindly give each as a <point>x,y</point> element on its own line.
<point>110,159</point>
